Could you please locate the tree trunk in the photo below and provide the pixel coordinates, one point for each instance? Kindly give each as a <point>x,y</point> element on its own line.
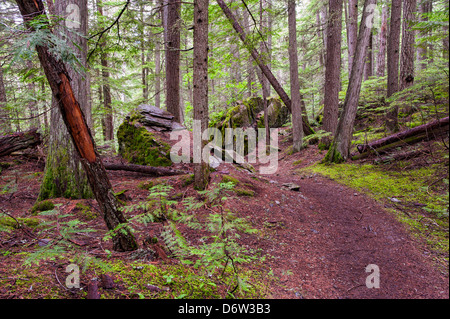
<point>393,47</point>
<point>19,141</point>
<point>368,68</point>
<point>265,70</point>
<point>64,175</point>
<point>157,71</point>
<point>340,149</point>
<point>107,103</point>
<point>381,56</point>
<point>407,56</point>
<point>352,32</point>
<point>332,67</point>
<point>73,117</point>
<point>5,123</point>
<point>201,168</point>
<point>173,59</point>
<point>297,127</point>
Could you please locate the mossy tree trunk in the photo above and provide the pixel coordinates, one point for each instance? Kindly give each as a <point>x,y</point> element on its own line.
<point>64,175</point>
<point>340,147</point>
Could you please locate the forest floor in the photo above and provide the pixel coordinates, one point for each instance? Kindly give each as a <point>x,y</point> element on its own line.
<point>317,241</point>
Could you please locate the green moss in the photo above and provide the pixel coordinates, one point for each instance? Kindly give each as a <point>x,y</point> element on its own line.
<point>408,186</point>
<point>86,212</point>
<point>187,180</point>
<point>139,146</point>
<point>61,181</point>
<point>9,222</point>
<point>297,162</point>
<point>228,179</point>
<point>146,185</point>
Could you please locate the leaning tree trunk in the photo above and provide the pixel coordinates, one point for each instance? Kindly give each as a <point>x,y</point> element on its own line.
<point>58,78</point>
<point>393,56</point>
<point>64,175</point>
<point>201,169</point>
<point>264,68</point>
<point>340,149</point>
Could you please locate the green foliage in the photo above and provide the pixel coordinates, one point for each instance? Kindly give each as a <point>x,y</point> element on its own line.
<point>63,229</point>
<point>219,253</point>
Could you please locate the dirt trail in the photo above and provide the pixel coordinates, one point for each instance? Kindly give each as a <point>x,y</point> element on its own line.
<point>327,234</point>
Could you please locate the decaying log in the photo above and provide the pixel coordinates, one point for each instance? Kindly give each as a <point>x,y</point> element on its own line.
<point>417,134</point>
<point>434,126</point>
<point>19,141</point>
<point>154,171</point>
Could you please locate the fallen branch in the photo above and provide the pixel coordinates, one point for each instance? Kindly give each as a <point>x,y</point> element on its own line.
<point>19,141</point>
<point>154,171</point>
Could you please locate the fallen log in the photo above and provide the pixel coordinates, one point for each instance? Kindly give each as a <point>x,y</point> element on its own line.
<point>425,131</point>
<point>154,171</point>
<point>19,141</point>
<point>423,136</point>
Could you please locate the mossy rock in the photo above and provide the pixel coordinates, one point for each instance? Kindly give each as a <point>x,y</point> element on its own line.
<point>139,146</point>
<point>278,113</point>
<point>244,192</point>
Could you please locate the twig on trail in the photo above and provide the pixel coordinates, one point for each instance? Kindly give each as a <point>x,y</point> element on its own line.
<point>56,275</point>
<point>358,219</point>
<point>361,285</point>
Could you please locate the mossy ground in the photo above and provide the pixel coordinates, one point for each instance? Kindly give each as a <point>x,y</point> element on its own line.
<point>423,208</point>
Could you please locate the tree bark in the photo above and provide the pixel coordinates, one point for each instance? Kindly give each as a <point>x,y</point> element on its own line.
<point>107,102</point>
<point>264,68</point>
<point>393,56</point>
<point>173,59</point>
<point>73,117</point>
<point>297,127</point>
<point>153,171</point>
<point>201,21</point>
<point>64,175</point>
<point>407,51</point>
<point>333,67</point>
<point>5,124</point>
<point>401,136</point>
<point>19,141</point>
<point>340,149</point>
<point>352,32</point>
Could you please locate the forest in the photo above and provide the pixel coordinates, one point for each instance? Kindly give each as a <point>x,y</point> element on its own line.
<point>224,149</point>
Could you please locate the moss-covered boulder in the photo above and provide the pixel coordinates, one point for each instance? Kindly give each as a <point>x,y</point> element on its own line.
<point>250,113</point>
<point>278,114</point>
<point>143,136</point>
